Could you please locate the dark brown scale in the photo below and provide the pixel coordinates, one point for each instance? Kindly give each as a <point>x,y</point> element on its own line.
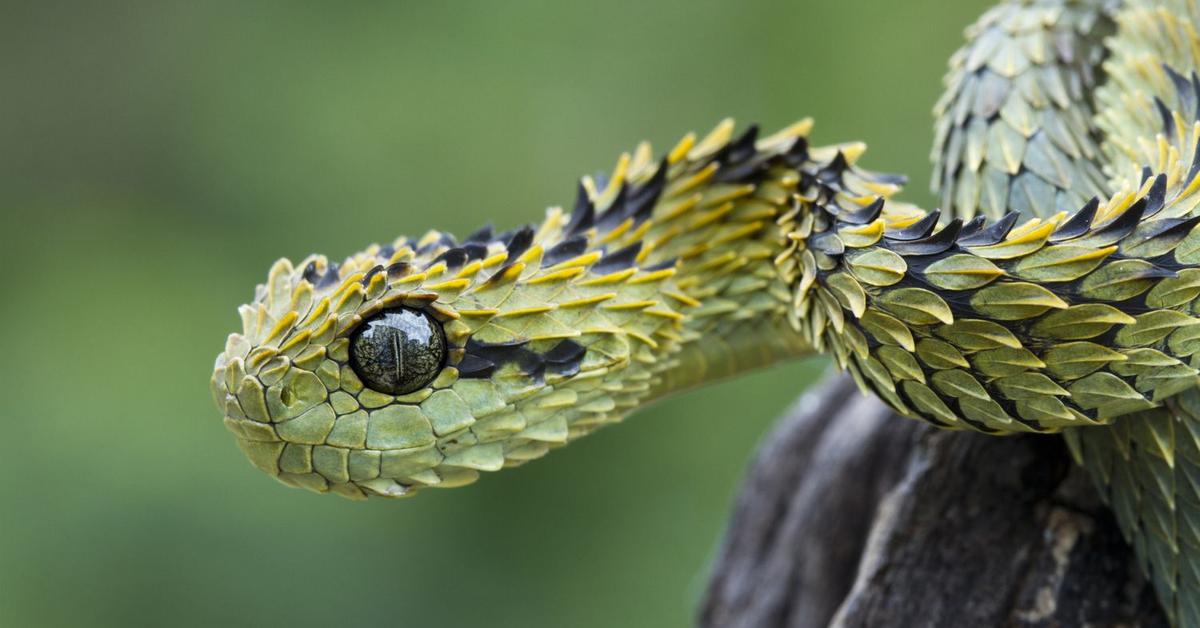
<point>972,227</point>
<point>614,215</point>
<point>918,230</point>
<point>375,270</point>
<point>993,234</point>
<point>483,235</point>
<point>640,205</point>
<point>940,242</point>
<point>398,270</point>
<point>454,258</point>
<point>475,250</point>
<point>618,260</point>
<point>520,242</point>
<point>863,216</point>
<point>1157,196</point>
<point>565,250</point>
<point>1078,224</point>
<point>583,216</point>
<point>480,359</point>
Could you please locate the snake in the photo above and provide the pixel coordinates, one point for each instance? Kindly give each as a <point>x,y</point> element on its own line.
<point>1056,290</point>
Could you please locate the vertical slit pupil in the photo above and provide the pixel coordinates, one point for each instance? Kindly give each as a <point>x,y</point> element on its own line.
<point>398,351</point>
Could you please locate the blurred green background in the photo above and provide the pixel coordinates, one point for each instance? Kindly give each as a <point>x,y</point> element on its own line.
<point>157,157</point>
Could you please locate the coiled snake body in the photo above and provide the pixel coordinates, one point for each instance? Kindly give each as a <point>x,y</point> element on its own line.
<point>1056,291</point>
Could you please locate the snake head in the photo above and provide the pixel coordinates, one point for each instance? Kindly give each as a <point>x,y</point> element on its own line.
<point>423,363</point>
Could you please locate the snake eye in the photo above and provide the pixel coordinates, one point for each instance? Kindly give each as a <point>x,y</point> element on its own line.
<point>398,351</point>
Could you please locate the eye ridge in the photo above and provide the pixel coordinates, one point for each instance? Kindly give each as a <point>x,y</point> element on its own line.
<point>398,351</point>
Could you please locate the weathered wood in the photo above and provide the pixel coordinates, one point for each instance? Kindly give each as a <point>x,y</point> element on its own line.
<point>853,517</point>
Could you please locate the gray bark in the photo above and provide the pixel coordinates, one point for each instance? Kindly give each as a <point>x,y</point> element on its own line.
<point>851,516</point>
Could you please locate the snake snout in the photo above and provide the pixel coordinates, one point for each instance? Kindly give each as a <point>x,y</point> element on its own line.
<point>298,421</point>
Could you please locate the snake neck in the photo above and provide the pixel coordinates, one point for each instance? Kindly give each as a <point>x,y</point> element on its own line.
<point>714,223</point>
<point>742,222</point>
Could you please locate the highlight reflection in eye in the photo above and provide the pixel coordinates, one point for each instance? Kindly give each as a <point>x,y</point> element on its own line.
<point>398,351</point>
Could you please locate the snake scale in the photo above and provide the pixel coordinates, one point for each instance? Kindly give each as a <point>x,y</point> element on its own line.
<point>1056,290</point>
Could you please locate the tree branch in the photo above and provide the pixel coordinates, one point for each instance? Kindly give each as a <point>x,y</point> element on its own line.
<point>851,516</point>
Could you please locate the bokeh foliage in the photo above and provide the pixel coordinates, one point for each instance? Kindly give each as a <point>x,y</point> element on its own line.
<point>157,156</point>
